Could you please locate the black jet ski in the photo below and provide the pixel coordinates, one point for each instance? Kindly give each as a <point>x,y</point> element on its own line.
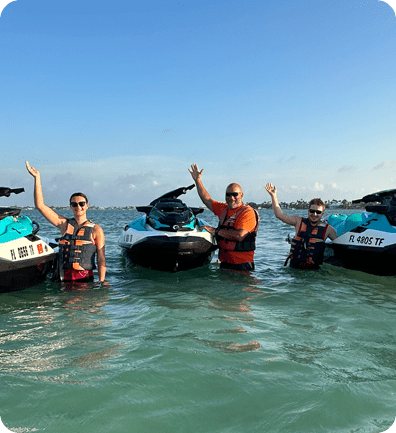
<point>169,236</point>
<point>25,258</point>
<point>367,241</point>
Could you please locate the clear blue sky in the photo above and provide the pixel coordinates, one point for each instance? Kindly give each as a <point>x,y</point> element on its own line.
<point>117,99</point>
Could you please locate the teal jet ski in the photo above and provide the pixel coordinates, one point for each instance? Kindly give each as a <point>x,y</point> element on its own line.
<point>25,257</point>
<point>367,240</point>
<point>169,236</point>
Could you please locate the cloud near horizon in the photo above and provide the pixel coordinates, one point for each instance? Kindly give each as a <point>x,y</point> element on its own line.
<point>137,180</point>
<point>318,187</point>
<point>390,163</point>
<point>346,169</point>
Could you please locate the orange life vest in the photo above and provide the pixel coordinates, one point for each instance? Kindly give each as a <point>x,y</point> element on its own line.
<point>76,247</point>
<point>248,243</point>
<point>308,246</point>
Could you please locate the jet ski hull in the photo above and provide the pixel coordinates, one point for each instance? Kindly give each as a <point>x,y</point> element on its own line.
<point>365,242</point>
<point>370,251</point>
<point>169,252</point>
<point>24,262</point>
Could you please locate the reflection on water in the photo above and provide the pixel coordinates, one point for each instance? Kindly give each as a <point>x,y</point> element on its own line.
<point>95,359</point>
<point>50,336</point>
<point>231,347</point>
<point>238,330</point>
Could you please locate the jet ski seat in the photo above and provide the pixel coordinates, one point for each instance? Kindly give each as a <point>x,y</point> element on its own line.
<point>338,222</point>
<point>171,206</point>
<point>352,222</point>
<point>345,223</point>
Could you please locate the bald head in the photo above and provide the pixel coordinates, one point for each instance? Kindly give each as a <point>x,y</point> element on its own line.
<point>234,187</point>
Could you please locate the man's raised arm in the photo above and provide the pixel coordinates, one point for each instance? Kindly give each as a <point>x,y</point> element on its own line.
<point>292,220</point>
<point>203,194</point>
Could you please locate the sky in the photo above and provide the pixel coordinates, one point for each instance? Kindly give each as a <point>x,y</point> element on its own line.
<point>118,99</point>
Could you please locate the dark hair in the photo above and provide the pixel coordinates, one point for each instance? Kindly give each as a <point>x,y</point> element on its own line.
<point>317,202</point>
<point>79,194</point>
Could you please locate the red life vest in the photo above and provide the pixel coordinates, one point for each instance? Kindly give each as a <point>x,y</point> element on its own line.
<point>76,248</point>
<point>248,243</point>
<point>308,246</point>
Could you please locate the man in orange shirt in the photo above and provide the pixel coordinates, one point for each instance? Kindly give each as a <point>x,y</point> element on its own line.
<point>238,224</point>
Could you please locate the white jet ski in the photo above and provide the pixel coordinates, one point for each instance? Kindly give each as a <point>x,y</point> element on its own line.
<point>367,241</point>
<point>169,237</point>
<point>25,258</point>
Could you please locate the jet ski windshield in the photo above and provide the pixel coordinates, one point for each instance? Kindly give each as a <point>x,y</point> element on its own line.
<point>173,194</point>
<point>169,197</point>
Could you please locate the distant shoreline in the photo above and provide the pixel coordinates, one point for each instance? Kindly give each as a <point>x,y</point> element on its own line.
<point>333,205</point>
<point>301,205</point>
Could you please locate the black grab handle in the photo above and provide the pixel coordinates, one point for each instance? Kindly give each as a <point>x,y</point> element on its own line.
<point>35,229</point>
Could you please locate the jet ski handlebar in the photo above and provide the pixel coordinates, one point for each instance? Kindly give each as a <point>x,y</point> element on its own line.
<point>6,192</point>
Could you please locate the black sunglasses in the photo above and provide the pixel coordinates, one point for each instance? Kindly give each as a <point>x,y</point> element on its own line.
<point>233,194</point>
<point>318,212</point>
<point>80,203</point>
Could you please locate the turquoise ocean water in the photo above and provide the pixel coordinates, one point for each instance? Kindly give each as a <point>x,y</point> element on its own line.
<point>279,350</point>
